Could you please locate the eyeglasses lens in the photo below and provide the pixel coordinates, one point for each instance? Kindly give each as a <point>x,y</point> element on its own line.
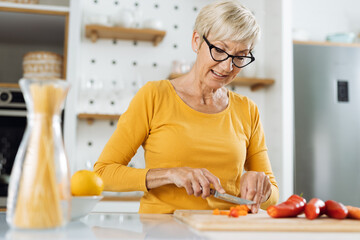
<point>220,55</point>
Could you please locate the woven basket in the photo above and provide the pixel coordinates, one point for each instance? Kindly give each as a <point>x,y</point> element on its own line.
<point>42,65</point>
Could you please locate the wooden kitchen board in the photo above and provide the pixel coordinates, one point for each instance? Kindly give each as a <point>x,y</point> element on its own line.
<point>204,220</point>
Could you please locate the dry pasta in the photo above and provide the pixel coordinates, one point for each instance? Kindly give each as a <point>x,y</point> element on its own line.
<point>38,202</point>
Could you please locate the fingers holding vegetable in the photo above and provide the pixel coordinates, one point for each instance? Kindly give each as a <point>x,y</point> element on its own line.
<point>255,186</point>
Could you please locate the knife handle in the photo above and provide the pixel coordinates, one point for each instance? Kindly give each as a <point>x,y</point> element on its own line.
<point>212,191</point>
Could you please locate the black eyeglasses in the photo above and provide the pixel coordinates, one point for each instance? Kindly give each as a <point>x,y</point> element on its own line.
<point>220,55</point>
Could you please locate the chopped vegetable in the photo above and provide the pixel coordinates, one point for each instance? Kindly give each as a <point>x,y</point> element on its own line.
<point>238,210</point>
<point>216,211</point>
<point>225,213</point>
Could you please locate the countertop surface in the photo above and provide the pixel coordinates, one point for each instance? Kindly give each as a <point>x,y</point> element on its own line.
<point>149,226</point>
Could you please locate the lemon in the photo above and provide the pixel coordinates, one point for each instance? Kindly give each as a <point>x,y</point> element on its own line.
<point>86,183</point>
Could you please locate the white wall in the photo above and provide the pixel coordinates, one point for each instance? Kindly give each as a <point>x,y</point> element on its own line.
<point>322,17</point>
<point>279,98</point>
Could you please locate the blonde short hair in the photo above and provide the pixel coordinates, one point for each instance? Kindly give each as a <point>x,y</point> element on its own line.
<point>228,20</point>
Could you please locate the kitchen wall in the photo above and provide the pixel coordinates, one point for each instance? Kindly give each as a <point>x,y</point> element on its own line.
<point>131,64</point>
<point>322,17</point>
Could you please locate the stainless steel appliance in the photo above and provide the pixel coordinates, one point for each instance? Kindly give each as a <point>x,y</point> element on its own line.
<point>12,127</point>
<point>327,122</point>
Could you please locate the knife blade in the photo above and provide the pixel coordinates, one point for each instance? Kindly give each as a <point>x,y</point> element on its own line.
<point>230,198</point>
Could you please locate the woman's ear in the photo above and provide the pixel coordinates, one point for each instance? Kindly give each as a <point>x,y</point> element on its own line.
<point>195,42</point>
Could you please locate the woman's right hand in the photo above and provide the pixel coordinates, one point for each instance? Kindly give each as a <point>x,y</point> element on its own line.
<point>196,181</point>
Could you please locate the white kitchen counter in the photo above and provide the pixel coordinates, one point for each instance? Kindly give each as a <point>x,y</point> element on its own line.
<point>149,226</point>
<point>117,206</point>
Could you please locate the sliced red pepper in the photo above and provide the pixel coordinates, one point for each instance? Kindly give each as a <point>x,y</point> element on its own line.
<point>292,207</point>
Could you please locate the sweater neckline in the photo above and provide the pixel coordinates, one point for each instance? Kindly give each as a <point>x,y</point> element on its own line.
<point>190,109</point>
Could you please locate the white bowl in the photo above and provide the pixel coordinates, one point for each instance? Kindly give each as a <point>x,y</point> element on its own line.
<point>153,24</point>
<point>83,205</point>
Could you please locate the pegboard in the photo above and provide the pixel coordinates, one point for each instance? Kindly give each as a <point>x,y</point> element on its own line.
<point>111,71</point>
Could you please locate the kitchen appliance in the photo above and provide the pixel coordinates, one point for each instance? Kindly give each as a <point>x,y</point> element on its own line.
<point>327,122</point>
<point>206,221</point>
<point>12,127</point>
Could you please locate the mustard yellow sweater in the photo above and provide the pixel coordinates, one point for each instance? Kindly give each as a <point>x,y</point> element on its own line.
<point>175,135</point>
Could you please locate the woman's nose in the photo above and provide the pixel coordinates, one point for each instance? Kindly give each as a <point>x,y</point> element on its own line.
<point>227,65</point>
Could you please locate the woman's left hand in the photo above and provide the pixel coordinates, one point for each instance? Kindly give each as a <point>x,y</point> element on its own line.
<point>255,186</point>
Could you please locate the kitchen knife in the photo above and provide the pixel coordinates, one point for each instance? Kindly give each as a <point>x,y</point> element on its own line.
<point>230,198</point>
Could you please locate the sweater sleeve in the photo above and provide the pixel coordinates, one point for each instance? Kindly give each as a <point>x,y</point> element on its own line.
<point>132,130</point>
<point>257,158</point>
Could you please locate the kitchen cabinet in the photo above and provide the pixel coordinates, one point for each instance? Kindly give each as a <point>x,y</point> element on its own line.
<point>30,27</point>
<point>94,32</point>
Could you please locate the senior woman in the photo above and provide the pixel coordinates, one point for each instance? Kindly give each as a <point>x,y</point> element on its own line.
<point>196,133</point>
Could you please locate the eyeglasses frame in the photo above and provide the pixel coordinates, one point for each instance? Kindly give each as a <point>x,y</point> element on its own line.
<point>211,46</point>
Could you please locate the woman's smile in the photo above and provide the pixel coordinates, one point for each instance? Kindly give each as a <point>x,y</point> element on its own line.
<point>218,75</point>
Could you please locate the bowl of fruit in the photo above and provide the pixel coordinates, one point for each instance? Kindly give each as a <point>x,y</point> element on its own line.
<point>86,189</point>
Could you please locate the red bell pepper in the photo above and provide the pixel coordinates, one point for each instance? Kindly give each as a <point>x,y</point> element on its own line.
<point>292,207</point>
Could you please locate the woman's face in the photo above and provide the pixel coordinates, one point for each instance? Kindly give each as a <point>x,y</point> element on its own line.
<point>218,74</point>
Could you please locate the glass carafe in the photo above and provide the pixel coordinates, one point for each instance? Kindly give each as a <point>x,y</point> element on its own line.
<point>39,188</point>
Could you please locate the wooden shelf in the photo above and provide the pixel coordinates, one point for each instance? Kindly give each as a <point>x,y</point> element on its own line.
<point>51,31</point>
<point>95,32</point>
<point>9,85</point>
<point>34,8</point>
<point>326,43</point>
<point>253,83</point>
<point>90,118</point>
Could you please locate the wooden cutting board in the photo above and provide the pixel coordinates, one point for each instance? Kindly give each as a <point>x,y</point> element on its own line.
<point>205,220</point>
